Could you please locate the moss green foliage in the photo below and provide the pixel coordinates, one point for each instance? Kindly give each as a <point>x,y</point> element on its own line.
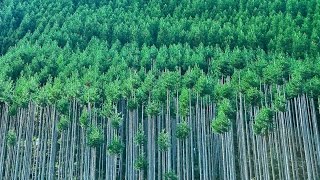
<point>183,130</point>
<point>115,147</point>
<point>140,137</point>
<point>141,162</point>
<point>163,140</point>
<point>11,137</point>
<point>95,136</point>
<point>263,121</point>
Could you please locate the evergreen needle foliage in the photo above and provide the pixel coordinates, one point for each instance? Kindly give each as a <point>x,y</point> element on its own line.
<point>11,137</point>
<point>170,176</point>
<point>84,121</point>
<point>95,136</point>
<point>153,109</point>
<point>280,103</point>
<point>163,141</point>
<point>183,130</point>
<point>115,147</point>
<point>263,122</point>
<point>116,119</point>
<point>140,137</point>
<point>170,89</point>
<point>141,162</point>
<point>63,123</point>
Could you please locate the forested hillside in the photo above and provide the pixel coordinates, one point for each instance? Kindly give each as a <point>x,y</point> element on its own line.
<point>160,89</point>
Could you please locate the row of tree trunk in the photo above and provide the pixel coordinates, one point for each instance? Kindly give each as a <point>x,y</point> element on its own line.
<point>290,151</point>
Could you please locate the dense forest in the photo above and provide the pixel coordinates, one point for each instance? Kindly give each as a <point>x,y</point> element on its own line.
<point>160,89</point>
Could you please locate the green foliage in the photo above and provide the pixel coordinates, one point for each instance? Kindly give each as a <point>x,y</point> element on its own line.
<point>95,136</point>
<point>202,85</point>
<point>102,53</point>
<point>303,69</point>
<point>153,109</point>
<point>54,90</point>
<point>170,80</point>
<point>239,59</point>
<point>222,91</point>
<point>170,176</point>
<point>106,109</point>
<point>277,72</point>
<point>115,119</point>
<point>116,146</point>
<point>132,104</point>
<point>11,137</point>
<point>294,87</point>
<point>112,91</point>
<point>84,118</point>
<point>63,123</point>
<point>5,89</point>
<point>225,106</point>
<point>130,84</point>
<point>159,93</point>
<point>163,141</point>
<point>63,106</point>
<point>141,162</point>
<point>280,103</point>
<point>184,102</point>
<point>253,96</point>
<point>312,87</point>
<point>249,79</point>
<point>272,74</point>
<point>90,94</point>
<point>97,58</point>
<point>183,130</point>
<point>263,122</point>
<point>221,124</point>
<point>140,137</point>
<point>13,109</point>
<point>23,91</point>
<point>225,115</point>
<point>222,66</point>
<point>190,77</point>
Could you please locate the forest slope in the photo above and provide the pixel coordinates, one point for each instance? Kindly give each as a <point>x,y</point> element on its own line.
<point>160,89</point>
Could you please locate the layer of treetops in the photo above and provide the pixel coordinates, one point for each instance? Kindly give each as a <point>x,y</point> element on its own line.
<point>160,89</point>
